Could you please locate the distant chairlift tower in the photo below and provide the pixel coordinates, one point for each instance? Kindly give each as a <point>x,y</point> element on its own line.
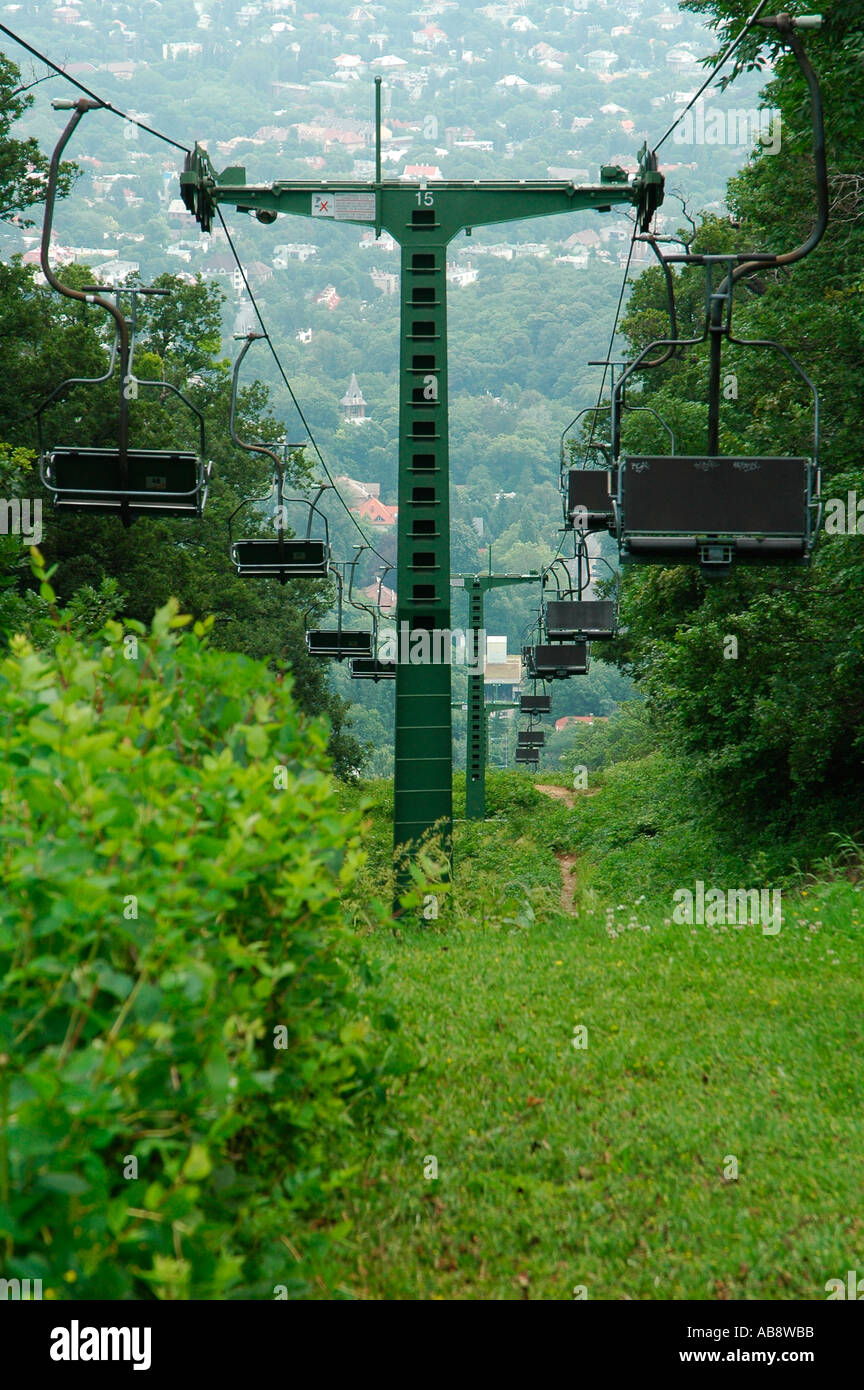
<point>423,220</point>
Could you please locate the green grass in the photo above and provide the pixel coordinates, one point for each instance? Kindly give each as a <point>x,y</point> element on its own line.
<point>604,1166</point>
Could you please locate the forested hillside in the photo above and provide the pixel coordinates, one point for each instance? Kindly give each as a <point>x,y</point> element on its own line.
<point>540,92</point>
<point>604,1043</point>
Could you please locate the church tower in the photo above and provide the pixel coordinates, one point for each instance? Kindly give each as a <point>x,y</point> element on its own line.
<point>353,402</point>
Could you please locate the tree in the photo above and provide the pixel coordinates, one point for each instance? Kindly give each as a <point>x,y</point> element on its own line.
<point>23,167</point>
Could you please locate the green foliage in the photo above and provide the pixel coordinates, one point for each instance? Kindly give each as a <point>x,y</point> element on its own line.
<point>177,982</point>
<point>780,721</point>
<point>701,1042</point>
<point>23,166</point>
<point>629,733</point>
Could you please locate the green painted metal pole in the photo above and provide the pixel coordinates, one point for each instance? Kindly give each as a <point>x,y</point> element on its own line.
<point>423,221</point>
<point>423,790</point>
<point>476,747</point>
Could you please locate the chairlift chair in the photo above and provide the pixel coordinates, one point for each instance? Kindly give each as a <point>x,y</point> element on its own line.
<point>592,619</point>
<point>714,509</point>
<point>281,556</point>
<point>589,498</point>
<point>535,704</point>
<point>570,617</point>
<point>527,755</point>
<point>558,662</point>
<point>590,490</point>
<point>121,480</point>
<point>372,668</point>
<point>341,642</point>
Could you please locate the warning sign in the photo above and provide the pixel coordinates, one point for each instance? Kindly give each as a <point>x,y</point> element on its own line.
<point>355,207</point>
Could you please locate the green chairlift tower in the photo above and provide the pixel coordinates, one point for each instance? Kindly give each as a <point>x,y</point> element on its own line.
<point>423,219</point>
<point>476,752</point>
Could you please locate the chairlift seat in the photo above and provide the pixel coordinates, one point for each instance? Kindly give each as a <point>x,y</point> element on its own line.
<point>160,482</point>
<point>530,738</point>
<point>535,704</point>
<point>558,662</point>
<point>716,511</point>
<point>568,619</point>
<point>370,668</point>
<point>589,496</point>
<point>340,643</point>
<point>296,559</point>
<point>527,755</point>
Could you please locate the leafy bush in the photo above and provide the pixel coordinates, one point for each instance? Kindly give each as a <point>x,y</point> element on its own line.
<point>187,1027</point>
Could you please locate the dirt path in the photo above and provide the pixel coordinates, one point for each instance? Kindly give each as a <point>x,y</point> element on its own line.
<point>566,862</point>
<point>559,793</point>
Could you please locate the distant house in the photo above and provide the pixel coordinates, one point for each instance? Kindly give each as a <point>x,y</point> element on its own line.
<point>429,36</point>
<point>421,171</point>
<point>386,600</point>
<point>461,275</point>
<point>385,242</point>
<point>545,53</point>
<point>259,272</point>
<point>682,59</point>
<point>376,512</point>
<point>385,281</point>
<point>388,61</point>
<point>570,719</point>
<point>586,238</point>
<point>328,298</point>
<point>294,251</point>
<point>356,492</point>
<point>181,50</point>
<point>114,272</point>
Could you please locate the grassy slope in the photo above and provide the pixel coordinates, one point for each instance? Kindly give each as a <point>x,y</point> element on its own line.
<point>604,1166</point>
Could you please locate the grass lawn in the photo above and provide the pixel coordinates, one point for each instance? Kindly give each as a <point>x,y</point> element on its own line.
<point>610,1166</point>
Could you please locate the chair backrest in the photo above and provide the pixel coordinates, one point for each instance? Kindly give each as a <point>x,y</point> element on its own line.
<point>573,658</point>
<point>339,643</point>
<point>729,496</point>
<point>589,493</point>
<point>158,481</point>
<point>565,618</point>
<point>263,555</point>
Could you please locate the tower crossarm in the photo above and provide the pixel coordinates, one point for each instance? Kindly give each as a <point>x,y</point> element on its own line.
<point>449,206</point>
